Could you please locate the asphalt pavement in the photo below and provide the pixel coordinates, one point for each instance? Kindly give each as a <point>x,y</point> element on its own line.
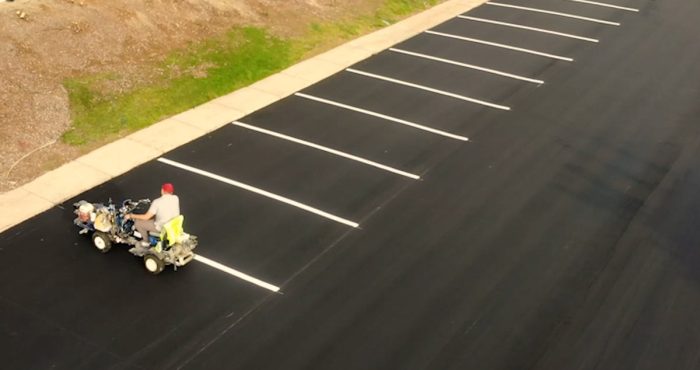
<point>561,235</point>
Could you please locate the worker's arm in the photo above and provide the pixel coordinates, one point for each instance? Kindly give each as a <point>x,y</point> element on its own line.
<point>146,216</point>
<point>152,210</point>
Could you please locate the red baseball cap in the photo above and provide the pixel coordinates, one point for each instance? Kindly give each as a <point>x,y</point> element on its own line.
<point>168,188</point>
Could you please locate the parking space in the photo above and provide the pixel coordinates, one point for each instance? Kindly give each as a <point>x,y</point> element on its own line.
<point>360,132</point>
<point>469,50</point>
<point>485,86</point>
<point>610,10</point>
<point>534,40</point>
<point>557,8</point>
<point>437,111</point>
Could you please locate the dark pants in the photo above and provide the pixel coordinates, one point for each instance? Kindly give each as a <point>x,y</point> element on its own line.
<point>144,226</point>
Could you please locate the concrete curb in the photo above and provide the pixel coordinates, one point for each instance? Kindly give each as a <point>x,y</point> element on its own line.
<point>109,161</point>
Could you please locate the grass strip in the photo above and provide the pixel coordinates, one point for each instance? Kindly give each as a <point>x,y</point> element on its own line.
<point>208,70</point>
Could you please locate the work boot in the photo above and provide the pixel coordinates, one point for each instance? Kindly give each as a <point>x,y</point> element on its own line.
<point>139,250</point>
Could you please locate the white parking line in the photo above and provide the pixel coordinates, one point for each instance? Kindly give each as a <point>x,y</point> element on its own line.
<point>259,191</point>
<point>235,273</point>
<point>326,149</point>
<point>567,15</point>
<point>382,116</point>
<point>606,5</point>
<point>504,46</point>
<point>527,28</point>
<point>421,87</point>
<point>465,65</point>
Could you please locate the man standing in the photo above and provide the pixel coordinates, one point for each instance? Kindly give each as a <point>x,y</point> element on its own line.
<point>162,210</point>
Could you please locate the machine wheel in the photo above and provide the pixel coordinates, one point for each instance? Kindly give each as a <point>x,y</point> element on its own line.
<point>153,264</point>
<point>101,241</point>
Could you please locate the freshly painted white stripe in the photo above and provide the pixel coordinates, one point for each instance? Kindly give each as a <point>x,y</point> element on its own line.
<point>465,65</point>
<point>235,273</point>
<point>527,28</point>
<point>606,5</point>
<point>421,87</point>
<point>325,149</point>
<point>382,116</point>
<point>258,191</point>
<point>504,46</point>
<point>567,15</point>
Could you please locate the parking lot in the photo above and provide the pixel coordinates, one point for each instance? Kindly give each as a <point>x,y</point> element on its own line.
<point>460,190</point>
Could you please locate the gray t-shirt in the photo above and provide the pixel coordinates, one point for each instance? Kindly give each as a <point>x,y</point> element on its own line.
<point>165,208</point>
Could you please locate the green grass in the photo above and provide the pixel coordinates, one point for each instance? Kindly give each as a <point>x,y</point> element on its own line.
<point>239,58</point>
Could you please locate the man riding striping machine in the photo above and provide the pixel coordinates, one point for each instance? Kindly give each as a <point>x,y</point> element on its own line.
<point>156,235</point>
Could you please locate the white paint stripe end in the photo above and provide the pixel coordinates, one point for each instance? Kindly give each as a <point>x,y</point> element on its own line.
<point>235,273</point>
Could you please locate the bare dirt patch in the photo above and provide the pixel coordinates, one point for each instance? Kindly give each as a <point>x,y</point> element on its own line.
<point>44,42</point>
